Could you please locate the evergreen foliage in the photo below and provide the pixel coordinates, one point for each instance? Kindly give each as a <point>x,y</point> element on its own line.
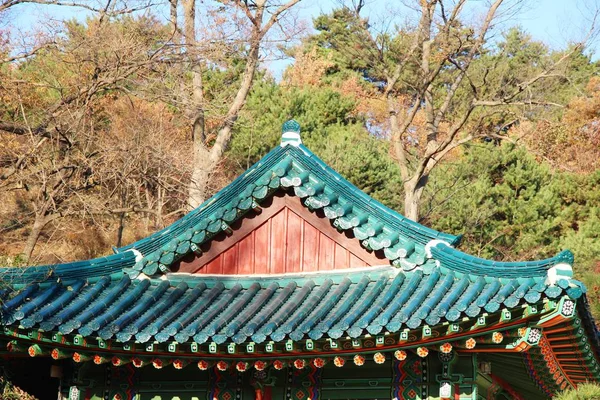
<point>585,391</point>
<point>329,129</point>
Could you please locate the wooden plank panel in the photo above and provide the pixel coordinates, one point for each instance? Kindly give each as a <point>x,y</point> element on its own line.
<point>262,236</point>
<point>310,259</point>
<point>342,259</point>
<point>356,262</point>
<point>326,253</point>
<point>245,255</point>
<point>229,263</point>
<point>213,267</point>
<point>277,244</point>
<point>293,257</point>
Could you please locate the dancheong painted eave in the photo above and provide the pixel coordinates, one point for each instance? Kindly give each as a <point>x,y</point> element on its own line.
<point>134,306</point>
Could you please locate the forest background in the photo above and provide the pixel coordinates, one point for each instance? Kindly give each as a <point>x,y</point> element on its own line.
<point>114,125</point>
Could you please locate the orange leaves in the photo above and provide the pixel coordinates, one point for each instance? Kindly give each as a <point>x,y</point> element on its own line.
<point>308,69</point>
<point>573,144</point>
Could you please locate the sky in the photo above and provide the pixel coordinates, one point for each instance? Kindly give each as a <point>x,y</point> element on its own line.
<point>554,22</point>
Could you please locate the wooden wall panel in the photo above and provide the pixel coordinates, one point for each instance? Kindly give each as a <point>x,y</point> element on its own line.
<point>246,255</point>
<point>262,246</point>
<point>286,238</point>
<point>342,257</point>
<point>310,248</point>
<point>214,267</point>
<point>278,243</point>
<point>326,253</point>
<point>229,262</point>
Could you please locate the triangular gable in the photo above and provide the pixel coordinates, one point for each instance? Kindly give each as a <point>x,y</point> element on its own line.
<point>284,237</point>
<point>375,226</point>
<point>296,170</point>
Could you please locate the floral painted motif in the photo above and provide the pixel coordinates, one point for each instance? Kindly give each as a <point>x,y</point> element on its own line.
<point>76,357</point>
<point>470,343</point>
<point>222,366</point>
<point>339,361</point>
<point>299,363</point>
<point>178,364</point>
<point>55,354</point>
<point>400,355</point>
<point>379,358</point>
<point>278,365</point>
<point>98,359</point>
<point>422,351</point>
<point>202,365</point>
<point>157,363</point>
<point>359,360</point>
<point>137,362</point>
<point>319,362</point>
<point>497,337</point>
<point>446,348</point>
<point>116,361</point>
<point>260,365</point>
<point>241,366</point>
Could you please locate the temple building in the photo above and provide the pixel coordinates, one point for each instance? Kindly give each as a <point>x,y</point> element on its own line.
<point>290,283</point>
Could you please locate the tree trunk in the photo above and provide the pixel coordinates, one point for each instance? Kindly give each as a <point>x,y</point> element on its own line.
<point>34,235</point>
<point>413,192</point>
<point>200,173</point>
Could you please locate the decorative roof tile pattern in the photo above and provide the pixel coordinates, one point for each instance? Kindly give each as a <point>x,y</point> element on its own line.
<point>185,308</point>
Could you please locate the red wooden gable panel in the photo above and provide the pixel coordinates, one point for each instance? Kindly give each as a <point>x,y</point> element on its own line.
<point>284,237</point>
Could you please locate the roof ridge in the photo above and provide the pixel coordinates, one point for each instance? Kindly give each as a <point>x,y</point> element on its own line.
<point>293,167</point>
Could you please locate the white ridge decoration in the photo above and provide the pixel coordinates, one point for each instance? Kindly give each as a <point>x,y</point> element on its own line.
<point>138,255</point>
<point>559,271</point>
<point>433,243</point>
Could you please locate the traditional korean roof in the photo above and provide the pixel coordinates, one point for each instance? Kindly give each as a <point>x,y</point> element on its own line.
<point>185,308</point>
<point>428,294</point>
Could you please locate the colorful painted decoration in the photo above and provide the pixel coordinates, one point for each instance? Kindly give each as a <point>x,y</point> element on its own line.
<point>359,360</point>
<point>497,337</point>
<point>379,358</point>
<point>99,359</point>
<point>339,361</point>
<point>260,365</point>
<point>422,351</point>
<point>202,365</point>
<point>241,366</point>
<point>77,357</point>
<point>299,363</point>
<point>34,350</point>
<point>222,366</point>
<point>446,348</point>
<point>179,364</point>
<point>278,365</point>
<point>116,361</point>
<point>400,355</point>
<point>470,343</point>
<point>137,362</point>
<point>319,362</point>
<point>157,363</point>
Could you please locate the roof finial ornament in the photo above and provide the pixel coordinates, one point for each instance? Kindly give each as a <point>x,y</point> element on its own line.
<point>290,133</point>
